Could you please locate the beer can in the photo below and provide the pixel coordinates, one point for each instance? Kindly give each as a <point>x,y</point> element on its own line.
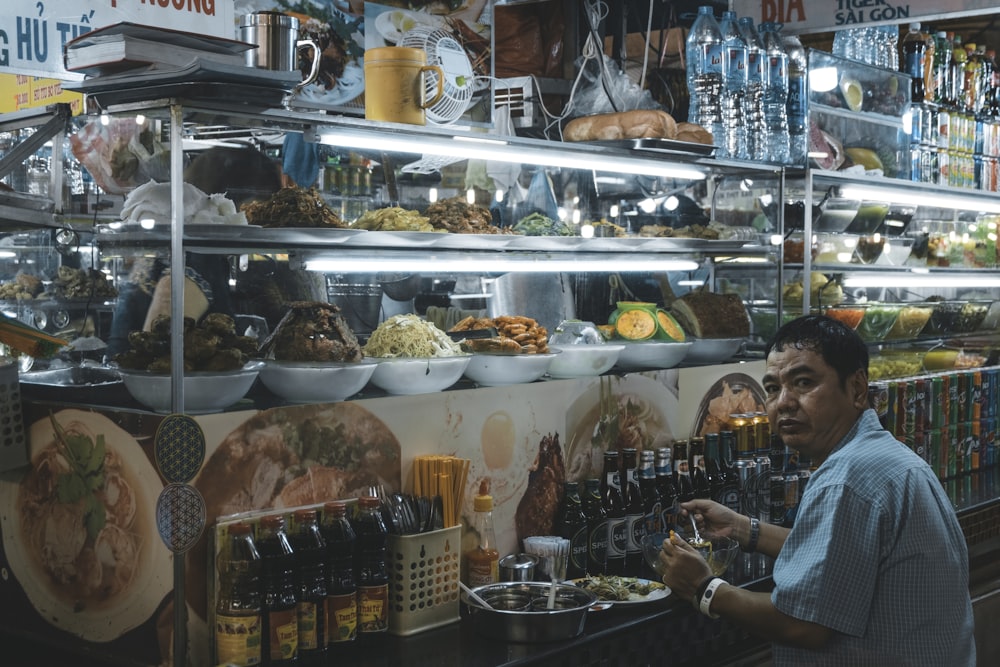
<point>791,495</point>
<point>742,428</point>
<point>762,487</point>
<point>761,434</point>
<point>776,491</point>
<point>747,471</point>
<point>878,400</point>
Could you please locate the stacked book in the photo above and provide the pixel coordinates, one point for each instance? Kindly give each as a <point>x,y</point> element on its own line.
<point>132,55</point>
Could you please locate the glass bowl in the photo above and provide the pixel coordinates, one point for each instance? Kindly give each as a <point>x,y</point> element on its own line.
<point>719,557</point>
<point>576,332</point>
<point>951,317</point>
<point>910,322</point>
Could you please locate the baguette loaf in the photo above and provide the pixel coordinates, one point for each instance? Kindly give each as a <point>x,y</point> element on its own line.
<point>637,124</point>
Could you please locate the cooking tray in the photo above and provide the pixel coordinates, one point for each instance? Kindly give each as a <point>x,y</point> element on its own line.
<point>659,146</point>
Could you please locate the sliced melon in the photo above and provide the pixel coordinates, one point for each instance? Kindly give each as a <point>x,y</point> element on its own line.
<point>667,327</point>
<point>636,324</point>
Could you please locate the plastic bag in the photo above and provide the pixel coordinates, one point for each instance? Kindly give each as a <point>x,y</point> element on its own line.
<point>619,94</point>
<point>121,154</point>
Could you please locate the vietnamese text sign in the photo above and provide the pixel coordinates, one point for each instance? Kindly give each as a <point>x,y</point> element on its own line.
<point>801,16</point>
<point>33,32</point>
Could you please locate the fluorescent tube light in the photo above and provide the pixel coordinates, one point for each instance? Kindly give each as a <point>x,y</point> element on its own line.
<point>921,279</point>
<point>472,264</point>
<point>912,197</point>
<point>476,148</point>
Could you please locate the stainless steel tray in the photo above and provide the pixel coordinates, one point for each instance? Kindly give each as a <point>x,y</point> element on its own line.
<point>660,146</point>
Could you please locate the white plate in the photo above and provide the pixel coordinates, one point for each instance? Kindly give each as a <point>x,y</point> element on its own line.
<point>393,23</point>
<point>652,354</point>
<point>418,376</point>
<point>634,599</point>
<point>583,360</point>
<point>316,382</point>
<point>494,370</point>
<point>152,579</point>
<point>712,350</point>
<point>203,392</point>
<point>349,86</point>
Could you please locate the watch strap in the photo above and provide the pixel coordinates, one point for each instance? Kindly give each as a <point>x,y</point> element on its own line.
<point>705,601</point>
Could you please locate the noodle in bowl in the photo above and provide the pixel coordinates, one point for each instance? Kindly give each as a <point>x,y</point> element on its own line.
<point>81,539</point>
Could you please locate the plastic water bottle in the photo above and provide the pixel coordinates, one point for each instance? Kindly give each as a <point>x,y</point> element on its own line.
<point>704,51</point>
<point>915,50</point>
<point>775,93</point>
<point>754,103</point>
<point>734,144</point>
<point>797,105</point>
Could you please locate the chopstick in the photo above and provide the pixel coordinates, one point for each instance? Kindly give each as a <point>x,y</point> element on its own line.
<point>444,476</point>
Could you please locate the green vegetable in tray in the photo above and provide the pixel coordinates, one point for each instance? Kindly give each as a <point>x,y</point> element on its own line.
<point>877,322</point>
<point>537,224</point>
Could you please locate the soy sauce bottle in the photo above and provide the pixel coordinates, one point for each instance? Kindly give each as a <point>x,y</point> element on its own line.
<point>371,572</point>
<point>310,556</point>
<point>278,598</point>
<point>341,589</point>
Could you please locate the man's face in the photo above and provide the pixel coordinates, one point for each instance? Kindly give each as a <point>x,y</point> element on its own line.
<point>806,404</point>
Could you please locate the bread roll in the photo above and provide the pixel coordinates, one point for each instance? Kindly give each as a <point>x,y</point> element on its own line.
<point>637,124</point>
<point>694,133</point>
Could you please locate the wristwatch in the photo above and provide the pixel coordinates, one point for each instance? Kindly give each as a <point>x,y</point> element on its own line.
<point>751,544</point>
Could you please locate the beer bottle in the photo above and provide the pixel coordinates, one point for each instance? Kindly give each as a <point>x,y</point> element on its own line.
<point>730,495</point>
<point>666,484</point>
<point>614,507</point>
<point>713,469</point>
<point>696,467</point>
<point>597,528</point>
<point>237,607</point>
<point>635,526</point>
<point>682,475</point>
<point>278,599</point>
<point>652,504</point>
<point>571,523</point>
<point>310,556</point>
<point>341,590</point>
<point>371,572</point>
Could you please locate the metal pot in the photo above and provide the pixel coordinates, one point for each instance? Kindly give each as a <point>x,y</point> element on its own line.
<point>520,613</point>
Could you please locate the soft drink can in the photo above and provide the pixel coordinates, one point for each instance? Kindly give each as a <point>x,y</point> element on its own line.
<point>933,445</point>
<point>935,402</point>
<point>973,452</point>
<point>878,400</point>
<point>951,445</point>
<point>975,407</point>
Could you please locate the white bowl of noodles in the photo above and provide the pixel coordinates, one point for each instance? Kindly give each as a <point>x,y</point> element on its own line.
<point>89,561</point>
<point>419,376</point>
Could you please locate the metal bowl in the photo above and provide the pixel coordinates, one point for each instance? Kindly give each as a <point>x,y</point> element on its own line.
<point>520,613</point>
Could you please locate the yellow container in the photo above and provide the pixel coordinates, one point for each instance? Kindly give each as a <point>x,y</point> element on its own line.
<point>395,84</point>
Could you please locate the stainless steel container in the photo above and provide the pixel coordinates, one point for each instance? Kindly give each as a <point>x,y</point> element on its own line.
<point>518,567</point>
<point>520,613</point>
<point>277,38</point>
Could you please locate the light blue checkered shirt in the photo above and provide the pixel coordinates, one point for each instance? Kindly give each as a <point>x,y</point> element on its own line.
<point>877,555</point>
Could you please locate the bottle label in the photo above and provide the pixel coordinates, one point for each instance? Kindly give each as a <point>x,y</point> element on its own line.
<point>755,67</point>
<point>635,530</point>
<point>730,497</point>
<point>483,572</point>
<point>737,61</point>
<point>598,547</point>
<point>373,608</point>
<point>283,635</point>
<point>617,538</point>
<point>578,545</point>
<point>309,632</point>
<point>341,618</point>
<point>711,58</point>
<point>796,100</point>
<point>777,74</point>
<point>237,639</point>
<point>654,518</point>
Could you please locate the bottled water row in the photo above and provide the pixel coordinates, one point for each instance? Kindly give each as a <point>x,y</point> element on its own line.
<point>747,87</point>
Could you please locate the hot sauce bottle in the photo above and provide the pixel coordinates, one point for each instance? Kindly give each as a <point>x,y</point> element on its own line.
<point>341,589</point>
<point>281,627</point>
<point>370,571</point>
<point>237,607</point>
<point>482,561</point>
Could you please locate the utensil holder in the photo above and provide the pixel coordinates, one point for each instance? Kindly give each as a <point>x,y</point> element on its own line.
<point>423,580</point>
<point>13,443</point>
